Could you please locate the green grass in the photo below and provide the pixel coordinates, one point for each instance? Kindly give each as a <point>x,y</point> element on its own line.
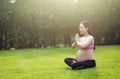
<point>48,64</point>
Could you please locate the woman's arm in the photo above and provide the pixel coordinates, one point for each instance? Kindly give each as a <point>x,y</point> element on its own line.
<point>74,45</point>
<point>85,43</point>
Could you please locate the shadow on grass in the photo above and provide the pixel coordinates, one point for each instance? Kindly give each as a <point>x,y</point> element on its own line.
<point>88,73</point>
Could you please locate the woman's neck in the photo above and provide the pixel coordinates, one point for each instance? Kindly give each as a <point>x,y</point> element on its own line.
<point>86,34</point>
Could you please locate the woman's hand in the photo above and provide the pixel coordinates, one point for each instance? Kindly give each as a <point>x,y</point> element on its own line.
<point>74,61</point>
<point>77,37</point>
<point>74,45</point>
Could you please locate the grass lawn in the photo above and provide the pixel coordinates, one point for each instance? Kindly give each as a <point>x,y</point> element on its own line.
<point>48,64</point>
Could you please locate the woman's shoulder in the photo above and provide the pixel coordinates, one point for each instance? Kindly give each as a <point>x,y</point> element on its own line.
<point>88,37</point>
<point>91,37</point>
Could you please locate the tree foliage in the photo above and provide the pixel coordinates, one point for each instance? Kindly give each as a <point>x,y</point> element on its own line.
<point>51,23</point>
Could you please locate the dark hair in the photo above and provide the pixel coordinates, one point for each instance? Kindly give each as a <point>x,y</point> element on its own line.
<point>88,25</point>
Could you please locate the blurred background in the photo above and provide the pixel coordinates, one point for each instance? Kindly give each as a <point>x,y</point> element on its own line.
<point>53,23</point>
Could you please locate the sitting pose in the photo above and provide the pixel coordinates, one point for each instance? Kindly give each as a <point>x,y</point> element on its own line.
<point>84,57</point>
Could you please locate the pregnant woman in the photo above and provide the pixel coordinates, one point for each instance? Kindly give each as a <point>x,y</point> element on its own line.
<point>84,57</point>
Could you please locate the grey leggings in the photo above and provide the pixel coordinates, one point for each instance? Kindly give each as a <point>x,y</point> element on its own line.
<point>80,64</point>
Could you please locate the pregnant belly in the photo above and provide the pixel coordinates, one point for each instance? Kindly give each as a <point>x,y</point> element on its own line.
<point>84,55</point>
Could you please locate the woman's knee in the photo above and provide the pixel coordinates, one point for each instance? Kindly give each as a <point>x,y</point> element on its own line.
<point>66,59</point>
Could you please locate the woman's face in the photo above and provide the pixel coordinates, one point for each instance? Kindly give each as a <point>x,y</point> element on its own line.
<point>82,29</point>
